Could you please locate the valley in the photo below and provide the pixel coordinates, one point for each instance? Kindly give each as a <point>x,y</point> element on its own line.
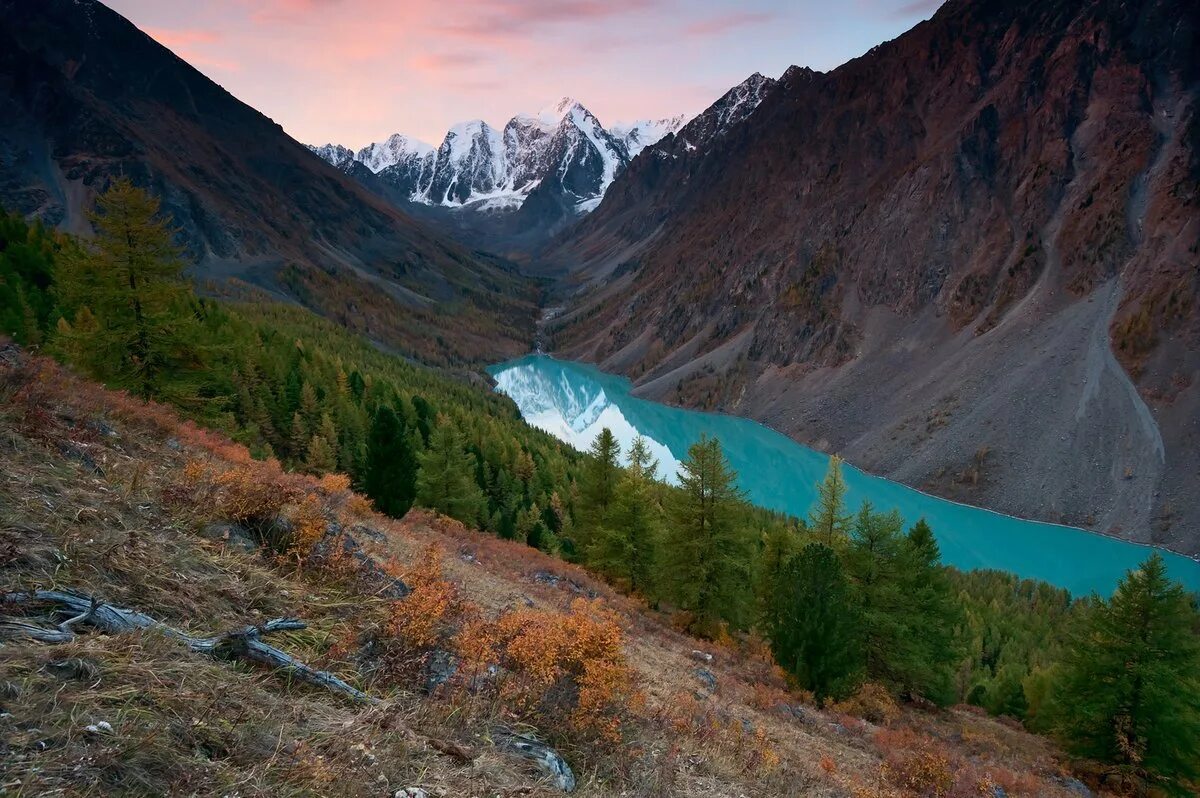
<point>841,440</point>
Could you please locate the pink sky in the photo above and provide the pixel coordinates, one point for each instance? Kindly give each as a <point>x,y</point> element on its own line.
<point>355,71</point>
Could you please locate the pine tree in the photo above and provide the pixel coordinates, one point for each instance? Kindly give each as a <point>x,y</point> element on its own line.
<point>131,281</point>
<point>934,618</point>
<point>598,485</point>
<point>778,544</point>
<point>707,546</point>
<point>830,523</point>
<point>873,562</point>
<point>391,466</point>
<point>1129,689</point>
<point>812,623</point>
<point>446,481</point>
<point>626,548</point>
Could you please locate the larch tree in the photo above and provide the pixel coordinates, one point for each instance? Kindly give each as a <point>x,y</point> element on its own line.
<point>1128,692</point>
<point>707,547</point>
<point>130,278</point>
<point>446,481</point>
<point>830,522</point>
<point>626,548</point>
<point>598,484</point>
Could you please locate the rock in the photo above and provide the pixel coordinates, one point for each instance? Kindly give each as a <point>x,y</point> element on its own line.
<point>411,792</point>
<point>367,531</point>
<point>102,727</point>
<point>542,756</point>
<point>440,667</point>
<point>370,573</point>
<point>73,452</point>
<point>701,656</point>
<point>555,580</point>
<point>234,536</point>
<point>998,792</point>
<point>174,445</point>
<point>1075,786</point>
<point>101,427</point>
<point>707,678</point>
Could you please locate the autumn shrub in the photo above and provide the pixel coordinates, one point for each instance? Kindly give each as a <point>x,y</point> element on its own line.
<point>924,771</point>
<point>424,620</point>
<point>872,702</point>
<point>307,524</point>
<point>561,668</point>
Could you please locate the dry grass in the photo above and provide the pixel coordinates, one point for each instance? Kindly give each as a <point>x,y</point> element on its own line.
<point>104,494</point>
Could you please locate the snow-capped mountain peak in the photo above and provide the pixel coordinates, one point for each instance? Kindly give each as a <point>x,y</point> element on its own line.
<point>552,115</point>
<point>563,148</point>
<point>640,134</point>
<point>398,147</point>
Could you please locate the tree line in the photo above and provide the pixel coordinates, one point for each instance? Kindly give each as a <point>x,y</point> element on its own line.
<point>844,597</point>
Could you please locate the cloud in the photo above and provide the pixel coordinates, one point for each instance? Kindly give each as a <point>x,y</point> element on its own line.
<point>716,26</point>
<point>504,20</point>
<point>919,8</point>
<point>442,62</point>
<point>190,45</point>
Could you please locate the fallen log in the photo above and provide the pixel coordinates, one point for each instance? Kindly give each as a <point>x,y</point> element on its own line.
<point>542,756</point>
<point>242,643</point>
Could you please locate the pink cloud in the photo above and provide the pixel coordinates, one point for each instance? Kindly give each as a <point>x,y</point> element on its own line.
<point>715,26</point>
<point>190,45</point>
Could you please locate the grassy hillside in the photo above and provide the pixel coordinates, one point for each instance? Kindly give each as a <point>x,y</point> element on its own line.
<point>123,501</point>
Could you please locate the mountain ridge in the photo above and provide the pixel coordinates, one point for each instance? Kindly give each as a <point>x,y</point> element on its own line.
<point>90,97</point>
<point>908,261</point>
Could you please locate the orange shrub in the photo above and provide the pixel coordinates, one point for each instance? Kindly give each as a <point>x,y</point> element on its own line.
<point>421,620</point>
<point>309,525</point>
<point>560,666</point>
<point>872,703</point>
<point>334,483</point>
<point>247,495</point>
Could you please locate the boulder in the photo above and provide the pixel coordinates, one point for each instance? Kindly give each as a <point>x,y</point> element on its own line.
<point>234,536</point>
<point>707,678</point>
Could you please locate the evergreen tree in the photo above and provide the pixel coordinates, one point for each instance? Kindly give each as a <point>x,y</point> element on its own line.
<point>391,469</point>
<point>130,278</point>
<point>873,562</point>
<point>779,543</point>
<point>598,486</point>
<point>446,481</point>
<point>830,523</point>
<point>626,548</point>
<point>1129,690</point>
<point>935,616</point>
<point>707,546</point>
<point>812,623</point>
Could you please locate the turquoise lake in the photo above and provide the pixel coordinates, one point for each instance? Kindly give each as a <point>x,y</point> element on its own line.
<point>573,401</point>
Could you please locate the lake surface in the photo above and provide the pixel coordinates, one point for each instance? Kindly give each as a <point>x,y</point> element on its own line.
<point>574,401</point>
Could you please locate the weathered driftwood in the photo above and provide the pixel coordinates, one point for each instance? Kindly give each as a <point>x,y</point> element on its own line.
<point>243,643</point>
<point>545,758</point>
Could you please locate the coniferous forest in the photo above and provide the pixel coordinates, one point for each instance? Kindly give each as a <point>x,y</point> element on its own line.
<point>849,599</point>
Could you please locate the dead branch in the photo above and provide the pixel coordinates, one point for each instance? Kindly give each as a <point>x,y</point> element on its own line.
<point>243,643</point>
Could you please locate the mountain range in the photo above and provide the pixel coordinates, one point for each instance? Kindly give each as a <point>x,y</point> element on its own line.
<point>967,260</point>
<point>544,169</point>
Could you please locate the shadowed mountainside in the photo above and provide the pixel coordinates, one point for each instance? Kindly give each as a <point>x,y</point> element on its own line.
<point>86,96</point>
<point>966,260</point>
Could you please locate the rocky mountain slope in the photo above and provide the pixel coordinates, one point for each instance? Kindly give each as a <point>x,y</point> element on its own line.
<point>967,260</point>
<point>559,162</point>
<point>85,96</point>
<point>114,499</point>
